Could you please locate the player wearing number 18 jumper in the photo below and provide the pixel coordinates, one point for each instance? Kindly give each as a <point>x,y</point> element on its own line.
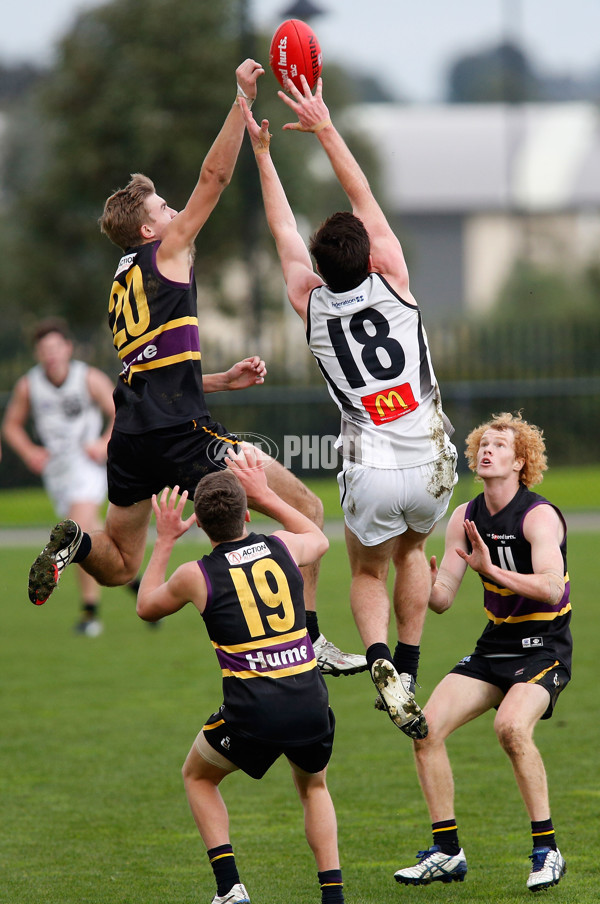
<point>365,330</point>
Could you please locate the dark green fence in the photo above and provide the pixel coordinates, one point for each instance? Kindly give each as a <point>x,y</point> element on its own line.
<point>550,371</point>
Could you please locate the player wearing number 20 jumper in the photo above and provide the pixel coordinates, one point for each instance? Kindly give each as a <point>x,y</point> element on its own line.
<point>364,328</point>
<point>163,432</point>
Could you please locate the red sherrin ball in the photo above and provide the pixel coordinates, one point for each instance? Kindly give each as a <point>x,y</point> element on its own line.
<point>295,51</point>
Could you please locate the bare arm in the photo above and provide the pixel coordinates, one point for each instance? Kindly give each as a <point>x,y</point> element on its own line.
<point>296,263</point>
<point>158,597</point>
<point>13,429</point>
<point>387,257</point>
<point>543,530</point>
<point>101,390</point>
<point>305,541</point>
<point>446,581</point>
<point>174,252</point>
<point>249,372</point>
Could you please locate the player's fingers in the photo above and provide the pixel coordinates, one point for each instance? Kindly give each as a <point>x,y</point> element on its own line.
<point>295,127</point>
<point>305,86</point>
<point>291,89</point>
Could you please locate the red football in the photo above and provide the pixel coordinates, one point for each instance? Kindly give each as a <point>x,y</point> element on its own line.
<point>295,51</point>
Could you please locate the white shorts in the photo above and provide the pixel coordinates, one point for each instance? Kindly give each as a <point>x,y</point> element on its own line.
<point>78,479</point>
<point>379,503</point>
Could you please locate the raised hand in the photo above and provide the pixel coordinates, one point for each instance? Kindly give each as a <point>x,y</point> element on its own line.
<point>169,522</point>
<point>311,110</point>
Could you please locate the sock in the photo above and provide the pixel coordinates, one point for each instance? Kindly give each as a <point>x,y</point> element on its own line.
<point>312,625</point>
<point>445,835</point>
<point>85,547</point>
<point>406,658</point>
<point>222,860</point>
<point>542,834</point>
<point>332,886</point>
<point>378,651</point>
<point>90,610</point>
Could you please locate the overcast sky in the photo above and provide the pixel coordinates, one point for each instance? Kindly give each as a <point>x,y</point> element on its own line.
<point>408,44</point>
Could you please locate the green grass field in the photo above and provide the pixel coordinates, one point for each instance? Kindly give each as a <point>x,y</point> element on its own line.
<point>95,733</point>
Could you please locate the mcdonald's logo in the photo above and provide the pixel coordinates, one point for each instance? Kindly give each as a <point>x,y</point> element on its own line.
<point>390,404</point>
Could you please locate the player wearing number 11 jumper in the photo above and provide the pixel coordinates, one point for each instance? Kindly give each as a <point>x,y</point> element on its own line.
<point>364,328</point>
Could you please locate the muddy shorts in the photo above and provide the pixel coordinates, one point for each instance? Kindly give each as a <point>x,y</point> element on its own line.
<point>381,503</point>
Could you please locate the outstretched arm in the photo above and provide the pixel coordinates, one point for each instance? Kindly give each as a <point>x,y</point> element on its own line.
<point>158,597</point>
<point>174,253</point>
<point>249,372</point>
<point>313,116</point>
<point>296,264</point>
<point>305,541</point>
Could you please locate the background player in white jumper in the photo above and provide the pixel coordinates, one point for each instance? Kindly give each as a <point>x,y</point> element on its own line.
<point>71,407</point>
<point>365,330</point>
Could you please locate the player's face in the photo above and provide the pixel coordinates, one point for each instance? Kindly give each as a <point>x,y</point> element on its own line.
<point>54,352</point>
<point>159,214</point>
<point>496,454</point>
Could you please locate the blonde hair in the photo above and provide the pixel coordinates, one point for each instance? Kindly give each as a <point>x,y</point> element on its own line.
<point>125,212</point>
<point>528,441</point>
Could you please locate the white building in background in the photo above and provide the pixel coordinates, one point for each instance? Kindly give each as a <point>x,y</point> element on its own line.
<point>473,188</point>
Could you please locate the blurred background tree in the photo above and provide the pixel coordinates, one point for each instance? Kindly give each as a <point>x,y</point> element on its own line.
<point>138,86</point>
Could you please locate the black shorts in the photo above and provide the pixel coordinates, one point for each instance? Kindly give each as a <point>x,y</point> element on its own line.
<point>503,672</point>
<point>255,757</point>
<point>141,464</point>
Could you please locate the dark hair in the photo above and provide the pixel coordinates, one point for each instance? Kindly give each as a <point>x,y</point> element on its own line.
<point>125,212</point>
<point>50,325</point>
<point>220,506</point>
<point>341,248</point>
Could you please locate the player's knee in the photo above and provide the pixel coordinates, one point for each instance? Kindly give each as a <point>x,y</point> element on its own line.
<point>511,736</point>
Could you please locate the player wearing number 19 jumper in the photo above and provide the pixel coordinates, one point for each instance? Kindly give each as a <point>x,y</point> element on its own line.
<point>365,330</point>
<point>249,592</point>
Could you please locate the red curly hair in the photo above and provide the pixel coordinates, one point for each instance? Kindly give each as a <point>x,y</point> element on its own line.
<point>528,440</point>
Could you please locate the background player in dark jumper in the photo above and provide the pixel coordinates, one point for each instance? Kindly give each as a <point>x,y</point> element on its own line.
<point>249,592</point>
<point>517,542</point>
